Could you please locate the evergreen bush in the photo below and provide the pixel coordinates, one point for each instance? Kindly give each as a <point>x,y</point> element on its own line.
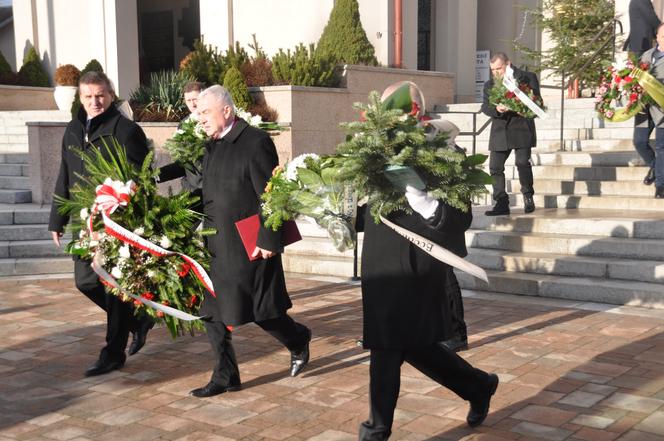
<point>235,85</point>
<point>257,71</point>
<point>32,72</point>
<point>162,99</point>
<point>304,67</point>
<point>7,76</point>
<point>204,63</point>
<point>344,39</point>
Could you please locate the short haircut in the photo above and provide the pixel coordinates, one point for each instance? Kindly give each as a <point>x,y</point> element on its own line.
<point>219,94</point>
<point>99,78</point>
<point>502,56</point>
<point>193,86</point>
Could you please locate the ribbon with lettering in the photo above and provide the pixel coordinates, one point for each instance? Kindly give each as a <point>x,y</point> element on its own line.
<point>438,252</point>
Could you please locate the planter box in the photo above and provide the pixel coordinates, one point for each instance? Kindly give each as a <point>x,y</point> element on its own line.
<point>313,113</point>
<point>26,98</point>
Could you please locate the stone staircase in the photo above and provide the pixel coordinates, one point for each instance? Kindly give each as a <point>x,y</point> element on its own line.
<point>597,234</point>
<point>26,248</point>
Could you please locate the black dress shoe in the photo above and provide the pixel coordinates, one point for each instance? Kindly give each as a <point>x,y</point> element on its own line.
<point>101,367</point>
<point>456,344</point>
<point>211,389</point>
<point>659,192</point>
<point>502,207</point>
<point>480,409</point>
<point>299,360</point>
<point>650,177</point>
<point>528,204</point>
<point>139,336</point>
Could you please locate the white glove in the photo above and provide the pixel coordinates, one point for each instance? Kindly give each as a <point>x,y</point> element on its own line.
<point>421,202</point>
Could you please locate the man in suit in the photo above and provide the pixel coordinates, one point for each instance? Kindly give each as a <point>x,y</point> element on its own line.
<point>643,22</point>
<point>653,120</point>
<point>238,162</point>
<point>509,131</point>
<point>405,312</point>
<point>97,122</point>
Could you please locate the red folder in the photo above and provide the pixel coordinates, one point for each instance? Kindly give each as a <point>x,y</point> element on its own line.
<point>248,229</point>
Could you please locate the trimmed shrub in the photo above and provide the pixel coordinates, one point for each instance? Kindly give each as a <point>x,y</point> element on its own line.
<point>343,38</point>
<point>266,112</point>
<point>234,83</point>
<point>67,75</point>
<point>257,72</point>
<point>204,63</point>
<point>32,72</point>
<point>303,68</point>
<point>7,76</point>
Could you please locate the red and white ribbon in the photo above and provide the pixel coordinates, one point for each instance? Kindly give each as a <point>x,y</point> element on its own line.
<point>113,194</point>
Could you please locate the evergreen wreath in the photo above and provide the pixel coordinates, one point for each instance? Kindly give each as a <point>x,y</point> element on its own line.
<point>389,137</point>
<point>166,221</point>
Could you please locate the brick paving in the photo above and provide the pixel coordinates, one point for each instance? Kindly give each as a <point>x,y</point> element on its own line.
<point>568,370</point>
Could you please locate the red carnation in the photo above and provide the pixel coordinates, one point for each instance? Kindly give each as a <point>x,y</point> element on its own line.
<point>510,95</point>
<point>193,300</point>
<point>643,65</point>
<point>184,269</point>
<point>147,295</point>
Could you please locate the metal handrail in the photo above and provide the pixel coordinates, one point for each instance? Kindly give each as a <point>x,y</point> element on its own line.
<point>611,25</point>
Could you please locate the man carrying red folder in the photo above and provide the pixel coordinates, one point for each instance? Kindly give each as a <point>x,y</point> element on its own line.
<point>237,164</point>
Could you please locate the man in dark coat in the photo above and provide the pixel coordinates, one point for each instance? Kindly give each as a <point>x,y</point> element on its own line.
<point>643,22</point>
<point>97,123</point>
<point>509,131</point>
<point>405,311</point>
<point>236,167</point>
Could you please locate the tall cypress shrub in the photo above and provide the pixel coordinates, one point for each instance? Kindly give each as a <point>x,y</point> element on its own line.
<point>344,38</point>
<point>235,85</point>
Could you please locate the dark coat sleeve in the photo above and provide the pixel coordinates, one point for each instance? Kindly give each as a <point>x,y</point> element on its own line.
<point>487,108</point>
<point>136,144</point>
<point>57,221</point>
<point>171,171</point>
<point>263,161</point>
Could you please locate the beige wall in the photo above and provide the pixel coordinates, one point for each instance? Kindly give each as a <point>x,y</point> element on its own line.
<point>76,31</point>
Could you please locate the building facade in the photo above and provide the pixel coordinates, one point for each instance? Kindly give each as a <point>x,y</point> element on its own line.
<point>131,38</point>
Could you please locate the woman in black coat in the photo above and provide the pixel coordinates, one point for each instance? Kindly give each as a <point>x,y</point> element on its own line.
<point>237,164</point>
<point>405,312</point>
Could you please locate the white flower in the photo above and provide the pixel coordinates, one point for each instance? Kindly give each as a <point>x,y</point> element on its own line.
<point>81,234</point>
<point>84,213</point>
<point>179,131</point>
<point>116,272</point>
<point>140,231</point>
<point>255,120</point>
<point>151,273</point>
<point>619,65</point>
<point>298,162</point>
<point>125,252</point>
<point>165,242</point>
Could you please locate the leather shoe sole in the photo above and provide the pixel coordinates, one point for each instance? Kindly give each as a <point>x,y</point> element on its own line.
<point>139,337</point>
<point>211,389</point>
<point>101,368</point>
<point>479,411</point>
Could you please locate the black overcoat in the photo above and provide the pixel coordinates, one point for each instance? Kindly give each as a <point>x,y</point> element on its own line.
<point>236,169</point>
<point>104,127</point>
<point>403,288</point>
<point>509,130</point>
<point>643,22</point>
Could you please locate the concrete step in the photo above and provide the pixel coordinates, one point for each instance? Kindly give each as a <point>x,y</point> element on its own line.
<point>588,289</point>
<point>14,169</point>
<point>603,223</point>
<point>31,248</point>
<point>567,244</point>
<point>594,188</point>
<point>581,173</point>
<point>589,159</point>
<point>574,266</point>
<point>14,158</point>
<point>36,266</point>
<point>24,232</point>
<point>24,214</point>
<point>14,182</point>
<point>603,202</point>
<point>15,196</point>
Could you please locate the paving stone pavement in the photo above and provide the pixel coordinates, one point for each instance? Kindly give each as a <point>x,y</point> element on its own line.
<point>568,371</point>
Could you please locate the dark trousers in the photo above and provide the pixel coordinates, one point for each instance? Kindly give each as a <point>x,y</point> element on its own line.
<point>457,325</point>
<point>437,362</point>
<point>643,127</point>
<point>497,169</point>
<point>294,336</point>
<point>120,319</point>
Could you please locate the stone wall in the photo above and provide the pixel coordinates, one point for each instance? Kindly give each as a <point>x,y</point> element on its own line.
<point>26,98</point>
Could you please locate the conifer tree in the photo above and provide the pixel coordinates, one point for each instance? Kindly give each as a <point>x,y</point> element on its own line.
<point>572,25</point>
<point>344,38</point>
<point>235,85</point>
<point>32,72</point>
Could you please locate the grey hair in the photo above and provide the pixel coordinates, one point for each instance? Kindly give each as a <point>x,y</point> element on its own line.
<point>219,94</point>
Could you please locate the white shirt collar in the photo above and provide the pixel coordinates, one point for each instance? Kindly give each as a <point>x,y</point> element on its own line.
<point>228,129</point>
